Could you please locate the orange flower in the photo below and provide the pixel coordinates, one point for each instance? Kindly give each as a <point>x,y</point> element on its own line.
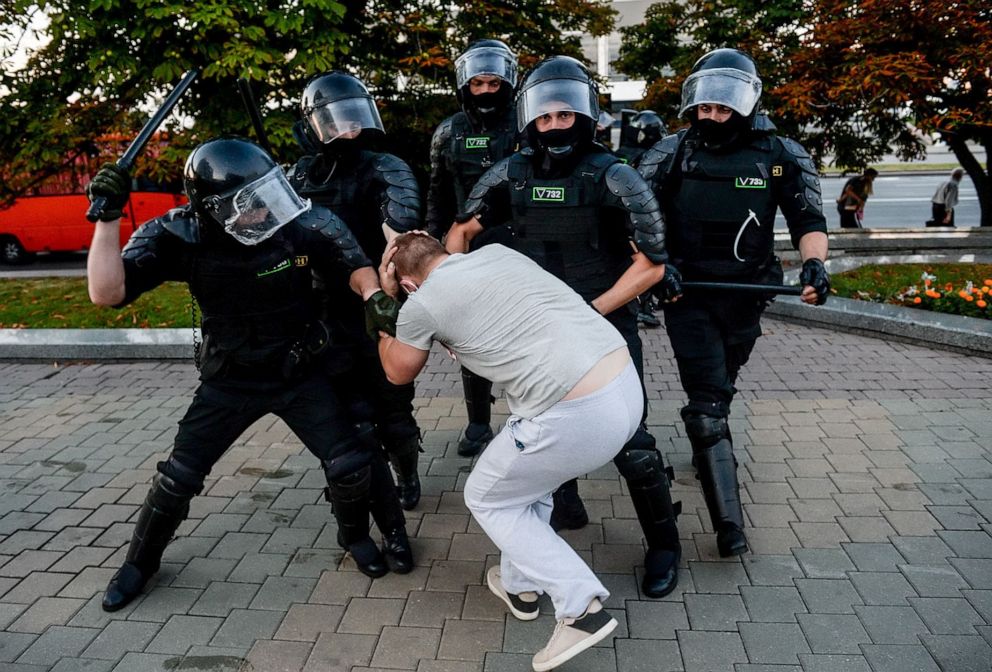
<point>964,295</point>
<point>988,283</point>
<point>927,282</point>
<point>919,300</point>
<point>980,303</point>
<point>948,287</point>
<point>932,294</point>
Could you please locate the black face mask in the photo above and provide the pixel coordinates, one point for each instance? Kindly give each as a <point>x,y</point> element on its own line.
<point>492,103</point>
<point>560,141</point>
<point>721,134</point>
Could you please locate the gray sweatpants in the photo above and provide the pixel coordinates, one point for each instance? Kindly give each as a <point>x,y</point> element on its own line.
<point>509,490</point>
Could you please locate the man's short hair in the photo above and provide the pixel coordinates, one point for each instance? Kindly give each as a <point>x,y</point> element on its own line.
<point>414,251</point>
<point>957,173</point>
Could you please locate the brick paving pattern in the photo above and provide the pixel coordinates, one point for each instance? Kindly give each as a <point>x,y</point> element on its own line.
<point>866,471</point>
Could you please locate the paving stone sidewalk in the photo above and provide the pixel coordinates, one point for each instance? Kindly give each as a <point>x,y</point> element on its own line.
<point>867,476</point>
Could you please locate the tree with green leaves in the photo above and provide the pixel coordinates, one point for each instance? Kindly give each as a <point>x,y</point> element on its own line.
<point>105,62</point>
<point>852,79</point>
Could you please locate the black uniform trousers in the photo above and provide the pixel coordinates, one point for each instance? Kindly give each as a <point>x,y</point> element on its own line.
<point>712,337</point>
<point>217,417</point>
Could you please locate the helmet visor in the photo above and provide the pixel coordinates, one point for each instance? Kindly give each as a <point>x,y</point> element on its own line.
<point>555,95</point>
<point>262,207</point>
<point>344,118</point>
<point>729,87</point>
<point>486,61</point>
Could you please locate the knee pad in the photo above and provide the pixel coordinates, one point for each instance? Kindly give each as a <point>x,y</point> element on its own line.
<point>705,430</point>
<point>637,464</point>
<point>178,479</point>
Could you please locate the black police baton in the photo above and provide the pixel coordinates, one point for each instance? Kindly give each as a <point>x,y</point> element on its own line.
<point>791,290</point>
<point>148,130</point>
<point>248,98</point>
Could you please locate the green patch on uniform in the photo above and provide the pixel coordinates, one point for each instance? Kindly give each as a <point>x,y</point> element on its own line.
<point>281,266</point>
<point>750,183</point>
<point>477,142</point>
<point>548,194</point>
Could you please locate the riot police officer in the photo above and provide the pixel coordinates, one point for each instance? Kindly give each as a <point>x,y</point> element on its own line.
<point>573,207</point>
<point>720,183</point>
<point>376,194</point>
<point>246,244</point>
<point>639,134</point>
<point>466,145</point>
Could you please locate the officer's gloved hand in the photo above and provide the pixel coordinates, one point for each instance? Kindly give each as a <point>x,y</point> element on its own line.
<point>814,274</point>
<point>381,311</point>
<point>114,184</point>
<point>669,288</point>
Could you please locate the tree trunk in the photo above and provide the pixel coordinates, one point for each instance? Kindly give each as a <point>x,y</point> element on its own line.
<point>979,176</point>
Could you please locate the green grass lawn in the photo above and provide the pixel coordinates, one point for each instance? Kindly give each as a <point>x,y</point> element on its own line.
<point>63,303</point>
<point>891,283</point>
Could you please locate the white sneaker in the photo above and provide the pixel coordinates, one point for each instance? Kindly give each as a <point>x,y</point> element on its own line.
<point>523,606</point>
<point>572,636</point>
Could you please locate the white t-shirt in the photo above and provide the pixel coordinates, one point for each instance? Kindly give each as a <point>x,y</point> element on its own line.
<point>511,322</point>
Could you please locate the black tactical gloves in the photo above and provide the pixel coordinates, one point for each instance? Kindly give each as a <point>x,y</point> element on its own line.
<point>669,287</point>
<point>114,184</point>
<point>381,311</point>
<point>815,275</point>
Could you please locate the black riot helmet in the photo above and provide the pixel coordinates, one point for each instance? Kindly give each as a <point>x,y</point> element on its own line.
<point>643,130</point>
<point>486,58</point>
<point>236,185</point>
<point>337,106</point>
<point>558,84</point>
<point>725,77</point>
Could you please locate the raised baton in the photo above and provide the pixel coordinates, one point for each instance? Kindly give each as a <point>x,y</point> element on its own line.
<point>148,130</point>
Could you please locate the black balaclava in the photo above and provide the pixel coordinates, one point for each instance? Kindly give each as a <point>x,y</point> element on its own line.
<point>720,135</point>
<point>491,107</point>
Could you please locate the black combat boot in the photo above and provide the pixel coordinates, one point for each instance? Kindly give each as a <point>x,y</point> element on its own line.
<point>388,516</point>
<point>350,496</point>
<point>404,456</point>
<point>716,468</point>
<point>478,403</point>
<point>165,507</point>
<point>569,513</point>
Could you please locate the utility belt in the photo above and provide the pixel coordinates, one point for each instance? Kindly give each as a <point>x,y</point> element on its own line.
<point>287,364</point>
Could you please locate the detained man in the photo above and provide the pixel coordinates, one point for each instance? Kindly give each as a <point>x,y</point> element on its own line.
<point>574,396</point>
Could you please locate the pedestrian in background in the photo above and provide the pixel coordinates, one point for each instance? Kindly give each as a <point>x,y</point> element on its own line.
<point>851,202</point>
<point>945,200</point>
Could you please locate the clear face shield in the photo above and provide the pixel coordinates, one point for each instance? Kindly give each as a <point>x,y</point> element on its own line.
<point>555,95</point>
<point>344,119</point>
<point>486,61</point>
<point>257,210</point>
<point>729,87</point>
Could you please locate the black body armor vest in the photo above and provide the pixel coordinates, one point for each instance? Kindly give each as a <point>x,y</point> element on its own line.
<point>560,224</point>
<point>256,306</point>
<point>470,153</point>
<point>721,215</point>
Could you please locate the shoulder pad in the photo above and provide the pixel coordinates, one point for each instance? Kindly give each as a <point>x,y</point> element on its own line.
<point>797,152</point>
<point>495,176</point>
<point>636,197</point>
<point>145,244</point>
<point>320,220</point>
<point>442,136</point>
<point>659,157</point>
<point>807,187</point>
<point>402,207</point>
<point>182,223</point>
<point>601,160</point>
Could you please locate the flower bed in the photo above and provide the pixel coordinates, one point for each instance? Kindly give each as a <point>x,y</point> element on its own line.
<point>957,289</point>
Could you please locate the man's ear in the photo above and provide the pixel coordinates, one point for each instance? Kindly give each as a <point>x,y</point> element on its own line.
<point>408,286</point>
